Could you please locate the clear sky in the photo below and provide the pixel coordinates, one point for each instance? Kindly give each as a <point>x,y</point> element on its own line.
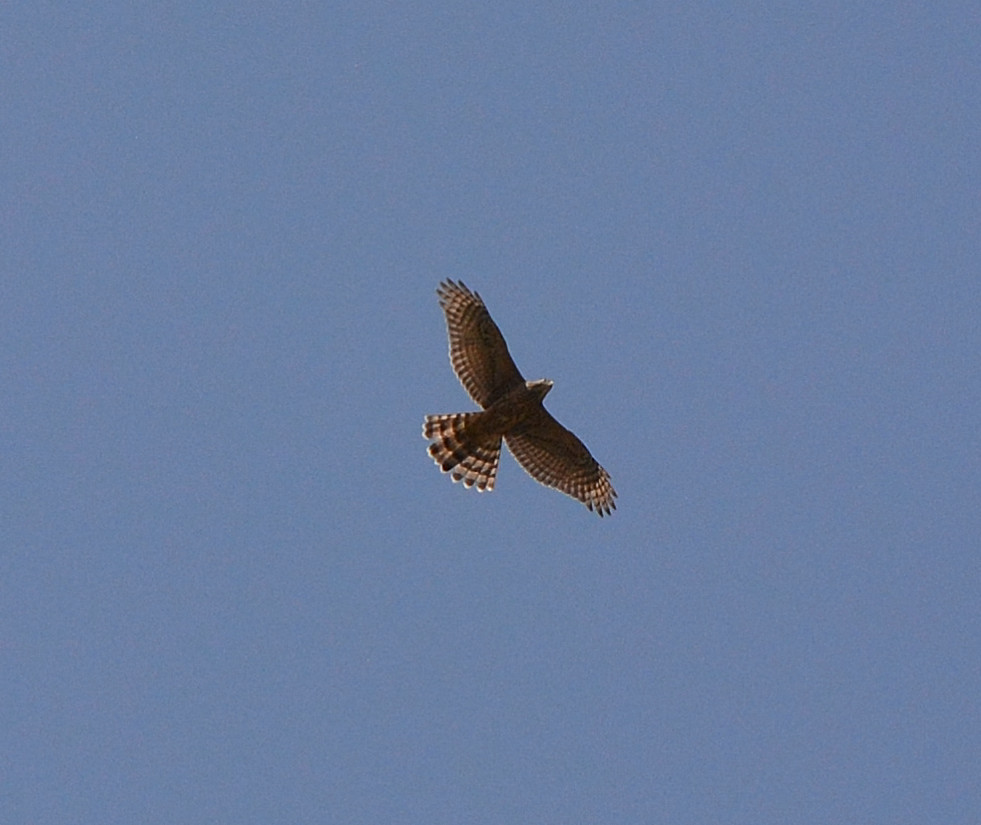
<point>742,239</point>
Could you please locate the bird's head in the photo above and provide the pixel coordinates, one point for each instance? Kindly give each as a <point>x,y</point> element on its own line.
<point>539,387</point>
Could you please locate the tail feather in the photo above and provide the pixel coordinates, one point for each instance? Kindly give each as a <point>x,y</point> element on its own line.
<point>468,457</point>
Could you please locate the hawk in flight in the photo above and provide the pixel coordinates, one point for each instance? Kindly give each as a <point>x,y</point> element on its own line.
<point>468,445</point>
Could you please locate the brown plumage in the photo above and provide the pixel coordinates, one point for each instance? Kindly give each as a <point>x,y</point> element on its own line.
<point>468,445</point>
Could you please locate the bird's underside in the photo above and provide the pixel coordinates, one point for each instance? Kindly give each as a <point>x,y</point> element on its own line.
<point>468,445</point>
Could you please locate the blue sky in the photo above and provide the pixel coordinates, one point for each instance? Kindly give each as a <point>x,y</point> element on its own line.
<point>742,240</point>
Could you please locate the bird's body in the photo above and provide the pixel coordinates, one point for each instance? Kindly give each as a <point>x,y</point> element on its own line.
<point>468,445</point>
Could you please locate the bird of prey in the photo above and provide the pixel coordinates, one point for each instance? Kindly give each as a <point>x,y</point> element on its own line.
<point>468,445</point>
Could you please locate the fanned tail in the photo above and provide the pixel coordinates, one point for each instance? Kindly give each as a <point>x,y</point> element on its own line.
<point>460,449</point>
